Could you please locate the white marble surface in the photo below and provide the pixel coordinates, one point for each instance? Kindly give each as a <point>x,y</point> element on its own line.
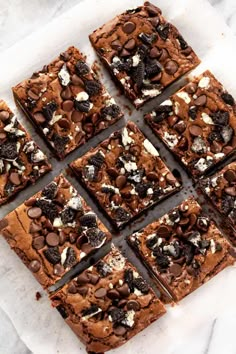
<point>19,18</point>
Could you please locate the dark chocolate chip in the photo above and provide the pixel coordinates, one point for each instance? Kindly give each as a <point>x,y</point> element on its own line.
<point>82,290</point>
<point>66,93</point>
<point>93,87</point>
<point>119,330</point>
<point>67,105</point>
<point>154,52</point>
<point>77,81</point>
<point>171,67</point>
<point>52,254</point>
<point>83,278</point>
<point>227,98</point>
<point>230,175</point>
<point>81,68</point>
<point>191,87</point>
<point>133,305</point>
<point>163,231</point>
<point>34,213</point>
<point>130,44</point>
<point>180,126</point>
<point>124,53</point>
<point>116,45</point>
<point>34,266</point>
<point>77,116</point>
<point>100,293</point>
<point>124,290</point>
<point>52,239</point>
<point>38,242</point>
<point>176,270</point>
<point>50,191</point>
<point>113,294</point>
<point>72,288</point>
<point>39,117</point>
<point>128,27</point>
<point>93,278</point>
<point>195,130</point>
<point>121,181</point>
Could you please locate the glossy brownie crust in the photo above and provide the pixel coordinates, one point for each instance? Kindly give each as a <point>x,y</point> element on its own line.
<point>143,52</point>
<point>66,102</point>
<point>183,249</point>
<point>125,174</point>
<point>197,124</point>
<point>108,304</point>
<point>220,188</point>
<point>21,160</point>
<point>53,231</point>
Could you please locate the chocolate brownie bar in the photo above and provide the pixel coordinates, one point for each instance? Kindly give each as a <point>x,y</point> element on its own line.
<point>183,249</point>
<point>143,52</point>
<point>108,304</point>
<point>21,160</point>
<point>220,188</point>
<point>66,102</point>
<point>198,124</point>
<point>53,231</point>
<point>125,174</point>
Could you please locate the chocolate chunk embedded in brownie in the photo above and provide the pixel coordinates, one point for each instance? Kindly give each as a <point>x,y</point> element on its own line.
<point>221,190</point>
<point>108,304</point>
<point>143,52</point>
<point>183,249</point>
<point>66,102</point>
<point>21,160</point>
<point>125,174</point>
<point>197,124</point>
<point>53,231</point>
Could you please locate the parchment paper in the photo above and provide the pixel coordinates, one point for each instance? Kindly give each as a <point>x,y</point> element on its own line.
<point>27,325</point>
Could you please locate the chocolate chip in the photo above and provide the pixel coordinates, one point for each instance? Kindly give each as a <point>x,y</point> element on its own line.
<point>124,290</point>
<point>130,44</point>
<point>38,242</point>
<point>72,288</point>
<point>227,98</point>
<point>195,130</point>
<point>70,258</point>
<point>3,136</point>
<point>39,117</point>
<point>95,237</point>
<point>100,293</point>
<point>81,68</point>
<point>34,213</point>
<point>93,87</point>
<point>163,231</point>
<point>201,100</point>
<point>128,27</point>
<point>77,81</point>
<point>4,115</point>
<point>8,150</point>
<point>119,330</point>
<point>83,278</point>
<point>67,105</point>
<point>154,52</point>
<point>133,305</point>
<point>58,269</point>
<point>34,266</point>
<point>15,178</point>
<point>230,191</point>
<point>53,255</point>
<point>82,290</point>
<point>230,175</point>
<point>113,294</point>
<point>171,67</point>
<point>191,87</point>
<point>176,270</point>
<point>52,239</point>
<point>121,181</point>
<point>116,45</point>
<point>180,126</point>
<point>66,93</point>
<point>77,116</point>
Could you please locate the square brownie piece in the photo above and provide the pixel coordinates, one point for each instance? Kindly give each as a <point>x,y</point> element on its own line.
<point>66,102</point>
<point>53,231</point>
<point>183,249</point>
<point>21,160</point>
<point>143,52</point>
<point>220,188</point>
<point>125,174</point>
<point>108,304</point>
<point>198,124</point>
